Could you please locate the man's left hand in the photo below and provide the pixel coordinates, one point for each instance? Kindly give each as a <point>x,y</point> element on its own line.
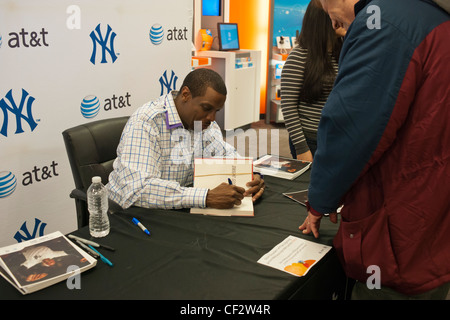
<point>312,223</point>
<point>256,187</point>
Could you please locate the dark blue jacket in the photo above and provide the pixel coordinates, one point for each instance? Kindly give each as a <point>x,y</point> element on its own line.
<point>384,146</point>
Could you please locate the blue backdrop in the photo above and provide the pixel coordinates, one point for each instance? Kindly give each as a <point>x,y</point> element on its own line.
<point>288,17</point>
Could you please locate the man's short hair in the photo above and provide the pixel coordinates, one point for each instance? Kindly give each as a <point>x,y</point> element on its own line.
<point>200,79</point>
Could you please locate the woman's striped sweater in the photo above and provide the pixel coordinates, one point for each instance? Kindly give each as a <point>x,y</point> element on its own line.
<point>301,118</point>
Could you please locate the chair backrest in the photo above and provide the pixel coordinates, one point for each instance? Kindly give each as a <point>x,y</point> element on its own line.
<point>91,148</point>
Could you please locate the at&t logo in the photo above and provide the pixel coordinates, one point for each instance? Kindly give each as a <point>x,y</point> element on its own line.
<point>8,183</point>
<point>21,111</point>
<point>27,39</point>
<point>157,34</point>
<point>106,43</point>
<point>90,105</point>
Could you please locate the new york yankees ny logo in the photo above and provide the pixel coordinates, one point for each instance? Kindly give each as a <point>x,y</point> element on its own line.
<point>97,38</point>
<point>168,84</point>
<point>38,231</point>
<point>9,104</point>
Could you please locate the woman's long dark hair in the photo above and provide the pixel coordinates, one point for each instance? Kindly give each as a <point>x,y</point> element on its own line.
<point>318,37</point>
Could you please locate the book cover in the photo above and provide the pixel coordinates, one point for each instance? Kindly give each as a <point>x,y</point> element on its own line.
<point>298,196</point>
<point>286,168</point>
<point>38,263</point>
<point>211,172</point>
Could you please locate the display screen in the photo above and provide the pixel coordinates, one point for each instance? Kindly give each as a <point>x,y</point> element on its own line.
<point>228,36</point>
<point>211,7</point>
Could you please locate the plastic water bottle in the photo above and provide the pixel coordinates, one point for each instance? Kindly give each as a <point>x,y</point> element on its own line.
<point>97,196</point>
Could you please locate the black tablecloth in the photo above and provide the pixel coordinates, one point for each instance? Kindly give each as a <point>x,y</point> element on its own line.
<point>195,257</point>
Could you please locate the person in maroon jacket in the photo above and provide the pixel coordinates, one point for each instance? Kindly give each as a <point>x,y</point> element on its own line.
<point>384,148</point>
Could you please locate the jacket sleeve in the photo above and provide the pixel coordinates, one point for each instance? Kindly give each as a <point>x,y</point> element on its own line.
<point>371,70</point>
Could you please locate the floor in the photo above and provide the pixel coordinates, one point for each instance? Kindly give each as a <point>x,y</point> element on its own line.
<point>259,139</point>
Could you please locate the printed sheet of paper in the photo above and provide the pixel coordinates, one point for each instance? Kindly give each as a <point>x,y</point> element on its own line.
<point>294,255</point>
<point>211,172</point>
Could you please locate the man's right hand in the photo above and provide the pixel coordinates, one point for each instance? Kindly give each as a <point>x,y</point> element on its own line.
<point>224,196</point>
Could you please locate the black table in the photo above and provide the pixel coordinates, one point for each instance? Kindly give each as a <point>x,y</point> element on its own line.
<point>193,257</point>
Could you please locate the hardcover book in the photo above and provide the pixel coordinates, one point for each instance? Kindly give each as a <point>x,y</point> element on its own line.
<point>281,167</point>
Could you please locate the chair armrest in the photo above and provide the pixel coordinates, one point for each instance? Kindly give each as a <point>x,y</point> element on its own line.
<point>78,194</point>
<point>113,207</point>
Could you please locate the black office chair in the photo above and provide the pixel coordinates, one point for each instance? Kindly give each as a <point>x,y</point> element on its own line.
<point>91,148</point>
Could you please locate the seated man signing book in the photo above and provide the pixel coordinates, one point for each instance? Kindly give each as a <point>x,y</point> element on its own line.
<point>154,167</point>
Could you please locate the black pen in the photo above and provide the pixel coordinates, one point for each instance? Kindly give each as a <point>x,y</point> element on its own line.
<point>89,250</point>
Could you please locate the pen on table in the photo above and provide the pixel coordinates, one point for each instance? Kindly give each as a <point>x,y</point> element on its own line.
<point>92,243</point>
<point>85,247</point>
<point>102,257</point>
<point>140,225</point>
<point>229,182</point>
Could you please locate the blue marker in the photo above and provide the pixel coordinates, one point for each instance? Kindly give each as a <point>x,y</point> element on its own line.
<point>140,225</point>
<point>229,182</point>
<point>102,257</point>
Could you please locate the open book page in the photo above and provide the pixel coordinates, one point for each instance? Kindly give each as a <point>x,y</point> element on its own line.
<point>38,263</point>
<point>294,255</point>
<point>211,172</point>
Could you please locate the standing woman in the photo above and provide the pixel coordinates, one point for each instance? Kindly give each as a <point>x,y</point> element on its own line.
<point>307,79</point>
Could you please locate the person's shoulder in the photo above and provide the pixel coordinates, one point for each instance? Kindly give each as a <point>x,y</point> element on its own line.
<point>150,116</point>
<point>151,109</point>
<point>297,55</point>
<point>397,19</point>
<point>299,51</point>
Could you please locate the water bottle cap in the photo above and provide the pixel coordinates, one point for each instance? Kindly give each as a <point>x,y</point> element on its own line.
<point>96,179</point>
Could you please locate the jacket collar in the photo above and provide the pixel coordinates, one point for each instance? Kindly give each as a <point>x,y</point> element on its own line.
<point>360,5</point>
<point>444,4</point>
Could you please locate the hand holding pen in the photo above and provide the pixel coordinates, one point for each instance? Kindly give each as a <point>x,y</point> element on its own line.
<point>224,196</point>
